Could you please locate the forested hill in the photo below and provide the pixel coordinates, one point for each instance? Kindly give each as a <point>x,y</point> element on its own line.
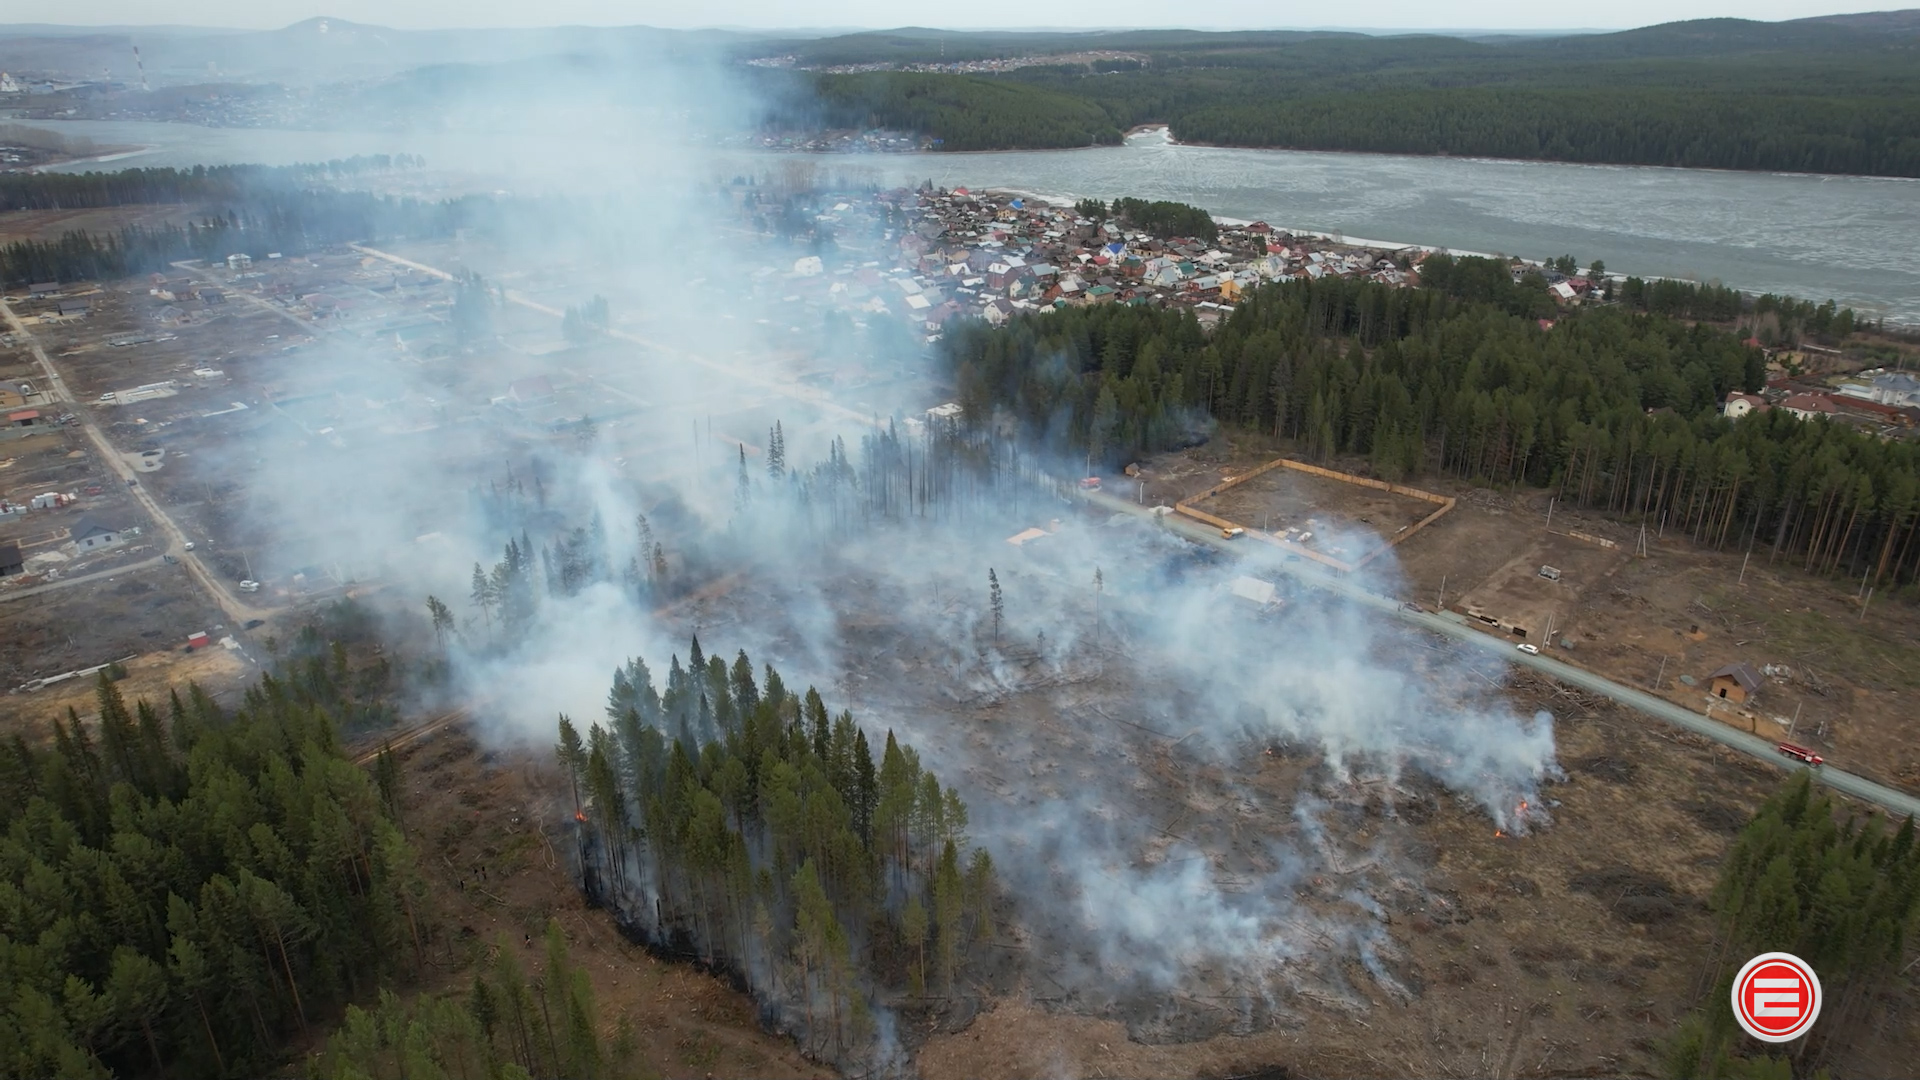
<point>1820,95</point>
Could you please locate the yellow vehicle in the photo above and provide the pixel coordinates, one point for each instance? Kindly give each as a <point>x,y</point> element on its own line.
<point>1232,531</point>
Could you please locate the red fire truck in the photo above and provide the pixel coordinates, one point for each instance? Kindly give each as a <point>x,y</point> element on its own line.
<point>1795,750</point>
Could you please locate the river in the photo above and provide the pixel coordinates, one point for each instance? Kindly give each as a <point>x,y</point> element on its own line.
<point>1855,239</point>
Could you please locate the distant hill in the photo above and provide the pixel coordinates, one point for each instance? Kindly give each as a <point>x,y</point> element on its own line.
<point>1837,94</point>
<point>1833,94</point>
<point>316,50</point>
<point>1878,22</point>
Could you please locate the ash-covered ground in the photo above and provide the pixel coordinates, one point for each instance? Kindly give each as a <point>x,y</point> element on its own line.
<point>1204,809</point>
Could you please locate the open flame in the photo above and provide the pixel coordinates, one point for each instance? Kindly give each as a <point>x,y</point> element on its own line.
<point>1497,834</point>
<point>580,817</point>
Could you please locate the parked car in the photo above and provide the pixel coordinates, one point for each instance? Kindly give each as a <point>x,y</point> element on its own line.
<point>189,545</point>
<point>249,585</point>
<point>1529,648</point>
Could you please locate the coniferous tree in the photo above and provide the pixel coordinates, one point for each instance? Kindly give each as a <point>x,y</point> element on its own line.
<point>996,602</point>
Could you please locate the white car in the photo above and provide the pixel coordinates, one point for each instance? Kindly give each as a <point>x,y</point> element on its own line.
<point>188,545</point>
<point>249,585</point>
<point>1530,650</point>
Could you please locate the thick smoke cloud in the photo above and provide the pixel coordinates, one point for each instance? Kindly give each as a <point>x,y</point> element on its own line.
<point>1186,798</point>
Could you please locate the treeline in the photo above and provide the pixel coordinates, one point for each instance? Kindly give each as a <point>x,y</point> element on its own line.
<point>1601,124</point>
<point>1166,219</point>
<point>508,1026</point>
<point>733,819</point>
<point>958,112</point>
<point>1840,894</point>
<point>1775,320</point>
<point>189,889</point>
<point>289,221</point>
<point>1161,218</point>
<point>200,184</point>
<point>1772,319</point>
<point>1614,410</point>
<point>1755,96</point>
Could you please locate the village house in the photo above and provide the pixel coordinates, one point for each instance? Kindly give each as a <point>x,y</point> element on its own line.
<point>91,535</point>
<point>1736,683</point>
<point>1808,406</point>
<point>1738,404</point>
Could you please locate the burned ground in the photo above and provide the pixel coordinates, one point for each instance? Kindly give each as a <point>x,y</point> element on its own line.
<point>1415,937</point>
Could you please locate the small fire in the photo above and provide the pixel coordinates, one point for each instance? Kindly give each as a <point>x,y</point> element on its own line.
<point>579,817</point>
<point>1497,834</point>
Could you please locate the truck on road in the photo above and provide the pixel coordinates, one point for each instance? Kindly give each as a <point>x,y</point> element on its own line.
<point>1800,753</point>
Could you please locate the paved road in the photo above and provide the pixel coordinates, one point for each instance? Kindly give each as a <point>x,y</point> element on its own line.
<point>35,590</point>
<point>176,538</point>
<point>1457,627</point>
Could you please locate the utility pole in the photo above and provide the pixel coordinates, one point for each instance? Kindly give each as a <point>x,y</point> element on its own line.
<point>1796,720</point>
<point>1743,566</point>
<point>1864,603</point>
<point>1550,503</point>
<point>1662,673</point>
<point>1441,603</point>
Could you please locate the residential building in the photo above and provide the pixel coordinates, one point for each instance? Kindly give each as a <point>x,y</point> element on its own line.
<point>1736,683</point>
<point>1808,406</point>
<point>91,535</point>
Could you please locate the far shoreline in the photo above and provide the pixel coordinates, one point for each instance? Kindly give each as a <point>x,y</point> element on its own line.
<point>1142,129</point>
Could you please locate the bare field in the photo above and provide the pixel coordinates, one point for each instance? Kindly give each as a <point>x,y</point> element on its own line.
<point>1680,608</point>
<point>133,614</point>
<point>1346,521</point>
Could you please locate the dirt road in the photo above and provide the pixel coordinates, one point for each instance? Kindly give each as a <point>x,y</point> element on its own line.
<point>176,538</point>
<point>36,590</point>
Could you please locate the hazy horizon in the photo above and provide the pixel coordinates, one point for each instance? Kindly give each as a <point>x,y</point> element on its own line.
<point>851,16</point>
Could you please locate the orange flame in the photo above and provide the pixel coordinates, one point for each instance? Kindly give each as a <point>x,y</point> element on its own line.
<point>1497,834</point>
<point>579,817</point>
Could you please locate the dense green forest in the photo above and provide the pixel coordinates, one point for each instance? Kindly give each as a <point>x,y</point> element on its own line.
<point>192,890</point>
<point>510,1025</point>
<point>1166,219</point>
<point>738,821</point>
<point>1613,409</point>
<point>200,184</point>
<point>246,209</point>
<point>189,888</point>
<point>958,112</point>
<point>1840,894</point>
<point>1814,96</point>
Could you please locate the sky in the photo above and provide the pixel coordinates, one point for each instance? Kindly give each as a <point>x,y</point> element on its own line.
<point>878,14</point>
